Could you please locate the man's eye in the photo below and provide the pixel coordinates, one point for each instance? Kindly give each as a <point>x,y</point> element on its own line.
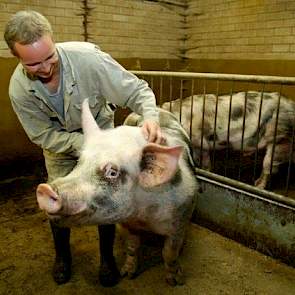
<point>33,65</point>
<point>49,57</point>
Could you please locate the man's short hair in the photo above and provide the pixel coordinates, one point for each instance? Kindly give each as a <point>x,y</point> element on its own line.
<point>26,27</point>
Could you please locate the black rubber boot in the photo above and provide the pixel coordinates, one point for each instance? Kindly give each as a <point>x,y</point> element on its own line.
<point>108,272</point>
<point>61,271</point>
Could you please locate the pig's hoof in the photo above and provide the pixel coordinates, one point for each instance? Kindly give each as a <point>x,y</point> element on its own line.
<point>174,279</point>
<point>261,182</point>
<point>61,271</point>
<point>109,275</point>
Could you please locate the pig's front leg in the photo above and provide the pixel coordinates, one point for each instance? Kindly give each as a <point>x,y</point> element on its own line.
<point>130,266</point>
<point>108,272</point>
<point>172,247</point>
<point>280,155</point>
<point>201,156</point>
<point>262,181</point>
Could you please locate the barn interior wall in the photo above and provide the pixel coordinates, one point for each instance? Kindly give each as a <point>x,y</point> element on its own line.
<point>238,29</point>
<point>237,36</point>
<point>124,28</point>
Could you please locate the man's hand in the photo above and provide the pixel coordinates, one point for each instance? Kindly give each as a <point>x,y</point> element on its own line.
<point>152,132</point>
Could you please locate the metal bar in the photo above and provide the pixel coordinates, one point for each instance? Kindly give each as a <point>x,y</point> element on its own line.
<point>152,82</point>
<point>192,108</point>
<point>222,77</point>
<point>258,133</point>
<point>275,134</point>
<point>228,128</point>
<point>243,134</point>
<point>170,93</point>
<point>234,184</point>
<point>181,96</point>
<point>161,90</point>
<point>215,124</point>
<point>203,118</point>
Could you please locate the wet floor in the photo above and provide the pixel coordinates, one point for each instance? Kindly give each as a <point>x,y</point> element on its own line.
<point>212,264</point>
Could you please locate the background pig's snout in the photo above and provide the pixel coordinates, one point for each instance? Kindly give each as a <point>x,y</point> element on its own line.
<point>47,199</point>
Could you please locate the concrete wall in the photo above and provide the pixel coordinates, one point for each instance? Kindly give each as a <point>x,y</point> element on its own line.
<point>124,28</point>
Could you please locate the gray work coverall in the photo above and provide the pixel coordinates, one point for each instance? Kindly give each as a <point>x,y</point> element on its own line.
<point>86,72</point>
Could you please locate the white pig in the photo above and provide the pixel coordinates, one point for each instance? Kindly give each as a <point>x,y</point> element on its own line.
<point>121,178</point>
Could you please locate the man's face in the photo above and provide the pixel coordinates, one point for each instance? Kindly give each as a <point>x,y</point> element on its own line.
<point>39,58</point>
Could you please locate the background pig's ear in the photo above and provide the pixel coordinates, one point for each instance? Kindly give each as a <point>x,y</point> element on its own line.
<point>89,125</point>
<point>158,164</point>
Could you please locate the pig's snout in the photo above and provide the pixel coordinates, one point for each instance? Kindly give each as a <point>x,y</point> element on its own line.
<point>48,199</point>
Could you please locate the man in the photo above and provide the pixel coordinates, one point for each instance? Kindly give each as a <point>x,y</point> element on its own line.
<point>46,92</point>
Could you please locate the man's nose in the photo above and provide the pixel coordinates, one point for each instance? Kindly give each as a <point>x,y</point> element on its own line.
<point>45,65</point>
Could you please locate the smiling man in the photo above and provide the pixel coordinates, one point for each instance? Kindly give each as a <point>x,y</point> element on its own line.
<point>47,89</point>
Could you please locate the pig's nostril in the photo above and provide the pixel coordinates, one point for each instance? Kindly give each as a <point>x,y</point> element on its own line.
<point>48,199</point>
<point>53,198</point>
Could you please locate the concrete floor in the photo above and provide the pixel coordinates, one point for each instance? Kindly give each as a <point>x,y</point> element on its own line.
<point>212,264</point>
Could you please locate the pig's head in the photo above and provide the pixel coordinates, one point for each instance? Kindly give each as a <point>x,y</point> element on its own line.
<point>115,165</point>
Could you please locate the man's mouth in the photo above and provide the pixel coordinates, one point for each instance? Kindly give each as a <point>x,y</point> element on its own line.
<point>45,75</point>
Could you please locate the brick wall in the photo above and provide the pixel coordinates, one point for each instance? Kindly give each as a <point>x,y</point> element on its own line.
<point>240,29</point>
<point>124,28</point>
<point>138,29</point>
<point>170,29</point>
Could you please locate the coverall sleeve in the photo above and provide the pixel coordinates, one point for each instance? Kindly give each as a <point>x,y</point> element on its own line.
<point>42,131</point>
<point>123,88</point>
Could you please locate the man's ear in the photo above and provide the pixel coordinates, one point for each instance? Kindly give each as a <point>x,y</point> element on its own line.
<point>158,164</point>
<point>14,53</point>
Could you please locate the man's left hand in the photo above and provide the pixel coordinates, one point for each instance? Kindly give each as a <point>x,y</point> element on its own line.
<point>152,132</point>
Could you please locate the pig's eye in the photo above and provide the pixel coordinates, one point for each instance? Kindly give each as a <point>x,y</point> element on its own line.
<point>111,171</point>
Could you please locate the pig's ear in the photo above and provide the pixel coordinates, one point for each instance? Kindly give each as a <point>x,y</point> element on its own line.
<point>158,164</point>
<point>89,125</point>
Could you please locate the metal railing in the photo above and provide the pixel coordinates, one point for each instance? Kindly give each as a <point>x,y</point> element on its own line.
<point>169,86</point>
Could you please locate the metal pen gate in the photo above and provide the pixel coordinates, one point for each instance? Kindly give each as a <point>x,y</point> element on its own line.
<point>261,219</point>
